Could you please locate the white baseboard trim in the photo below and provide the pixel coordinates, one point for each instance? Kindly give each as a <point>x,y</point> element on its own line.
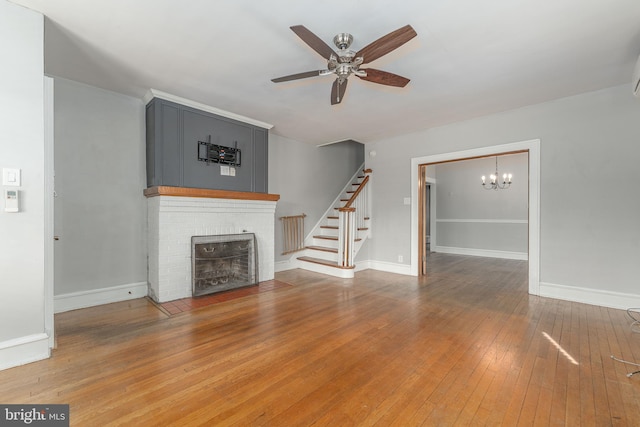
<point>362,265</point>
<point>523,256</point>
<point>283,265</point>
<point>84,299</point>
<point>23,350</point>
<point>389,267</point>
<point>590,296</point>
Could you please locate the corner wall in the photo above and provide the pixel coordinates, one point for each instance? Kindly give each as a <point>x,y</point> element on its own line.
<point>100,210</point>
<point>589,231</point>
<point>23,335</point>
<point>308,179</point>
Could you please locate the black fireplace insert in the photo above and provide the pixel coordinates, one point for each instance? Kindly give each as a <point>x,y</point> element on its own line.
<point>223,262</point>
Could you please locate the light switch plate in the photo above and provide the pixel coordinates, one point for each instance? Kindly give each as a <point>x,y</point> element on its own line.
<point>11,177</point>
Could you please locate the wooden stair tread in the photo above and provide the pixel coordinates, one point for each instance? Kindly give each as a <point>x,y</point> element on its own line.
<point>332,238</point>
<point>335,227</point>
<point>322,248</point>
<point>324,262</point>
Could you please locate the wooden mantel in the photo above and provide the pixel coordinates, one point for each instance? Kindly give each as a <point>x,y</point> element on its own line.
<point>211,194</point>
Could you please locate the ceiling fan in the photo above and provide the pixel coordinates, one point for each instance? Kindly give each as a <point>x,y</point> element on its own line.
<point>346,62</point>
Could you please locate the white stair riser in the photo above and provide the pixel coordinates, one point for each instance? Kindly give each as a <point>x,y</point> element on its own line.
<point>333,222</point>
<point>345,273</point>
<point>327,243</point>
<point>329,232</point>
<point>329,256</point>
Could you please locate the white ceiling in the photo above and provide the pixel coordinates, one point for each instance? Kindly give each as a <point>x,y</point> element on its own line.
<point>470,57</point>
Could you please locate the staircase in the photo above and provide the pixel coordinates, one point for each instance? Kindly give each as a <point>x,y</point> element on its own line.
<point>334,241</point>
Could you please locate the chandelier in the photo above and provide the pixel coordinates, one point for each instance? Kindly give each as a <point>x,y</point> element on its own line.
<point>493,183</point>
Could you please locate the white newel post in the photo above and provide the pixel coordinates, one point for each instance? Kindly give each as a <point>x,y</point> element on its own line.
<point>346,236</point>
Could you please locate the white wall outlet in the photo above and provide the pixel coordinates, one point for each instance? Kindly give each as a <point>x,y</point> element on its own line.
<point>400,258</point>
<point>232,171</point>
<point>224,170</point>
<point>11,177</point>
<point>407,200</point>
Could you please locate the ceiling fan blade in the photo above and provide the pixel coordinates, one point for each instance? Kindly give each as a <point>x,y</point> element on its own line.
<point>337,91</point>
<point>385,78</point>
<point>313,41</point>
<point>386,44</point>
<point>297,76</point>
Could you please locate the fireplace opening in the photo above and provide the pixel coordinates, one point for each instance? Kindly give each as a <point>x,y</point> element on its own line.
<point>223,262</point>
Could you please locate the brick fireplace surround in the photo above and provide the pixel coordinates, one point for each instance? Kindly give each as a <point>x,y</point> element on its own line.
<point>175,214</point>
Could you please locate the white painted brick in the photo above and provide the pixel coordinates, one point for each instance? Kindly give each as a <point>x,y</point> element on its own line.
<point>173,220</point>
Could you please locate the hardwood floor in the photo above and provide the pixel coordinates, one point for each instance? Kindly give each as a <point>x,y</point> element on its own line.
<point>466,346</point>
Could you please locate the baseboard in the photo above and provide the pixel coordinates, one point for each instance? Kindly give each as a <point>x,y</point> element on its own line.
<point>523,256</point>
<point>23,350</point>
<point>389,267</point>
<point>283,265</point>
<point>84,299</point>
<point>362,265</point>
<point>590,296</point>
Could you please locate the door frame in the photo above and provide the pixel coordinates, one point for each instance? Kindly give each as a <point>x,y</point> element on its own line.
<point>48,209</point>
<point>533,148</point>
<point>424,182</point>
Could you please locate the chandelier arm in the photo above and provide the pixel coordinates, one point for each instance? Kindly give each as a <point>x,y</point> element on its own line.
<point>494,183</point>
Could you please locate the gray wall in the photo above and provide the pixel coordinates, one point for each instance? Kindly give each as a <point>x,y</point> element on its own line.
<point>308,178</point>
<point>100,211</point>
<point>22,287</point>
<point>590,152</point>
<point>471,217</point>
<point>174,133</point>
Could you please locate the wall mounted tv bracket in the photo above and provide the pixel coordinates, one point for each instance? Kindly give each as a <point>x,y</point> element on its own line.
<point>212,153</point>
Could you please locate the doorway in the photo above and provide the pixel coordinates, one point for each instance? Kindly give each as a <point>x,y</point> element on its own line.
<point>418,164</point>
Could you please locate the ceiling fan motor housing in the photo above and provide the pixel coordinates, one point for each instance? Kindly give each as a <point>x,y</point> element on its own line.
<point>343,40</point>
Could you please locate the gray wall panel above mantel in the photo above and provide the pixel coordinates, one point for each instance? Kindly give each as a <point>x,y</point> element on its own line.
<point>174,132</point>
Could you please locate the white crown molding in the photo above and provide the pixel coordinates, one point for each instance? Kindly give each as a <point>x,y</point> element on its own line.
<point>154,93</point>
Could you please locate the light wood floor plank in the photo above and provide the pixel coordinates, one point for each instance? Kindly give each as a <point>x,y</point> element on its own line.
<point>465,346</point>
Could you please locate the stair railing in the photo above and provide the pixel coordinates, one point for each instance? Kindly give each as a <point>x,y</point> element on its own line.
<point>351,218</point>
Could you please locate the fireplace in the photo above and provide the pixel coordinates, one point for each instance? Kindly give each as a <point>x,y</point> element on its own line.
<point>222,262</point>
<point>176,214</point>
